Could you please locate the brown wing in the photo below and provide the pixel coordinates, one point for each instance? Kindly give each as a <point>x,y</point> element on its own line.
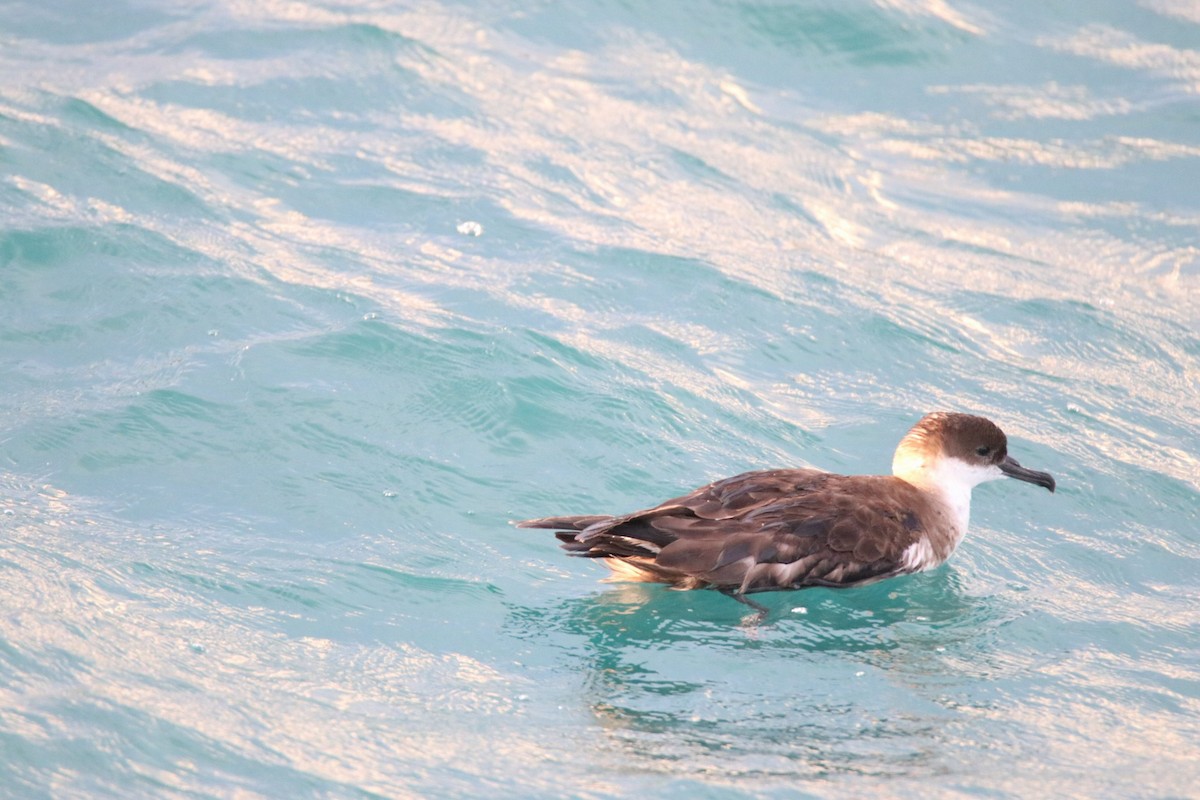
<point>767,530</point>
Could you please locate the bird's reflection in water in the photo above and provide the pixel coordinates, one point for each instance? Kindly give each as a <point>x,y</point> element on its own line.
<point>833,681</point>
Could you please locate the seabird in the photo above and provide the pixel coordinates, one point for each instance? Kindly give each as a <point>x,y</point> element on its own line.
<point>793,528</point>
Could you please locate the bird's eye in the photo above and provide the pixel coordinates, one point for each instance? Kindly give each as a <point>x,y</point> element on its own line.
<point>983,450</point>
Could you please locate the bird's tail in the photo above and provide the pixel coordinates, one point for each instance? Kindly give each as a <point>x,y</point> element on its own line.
<point>563,523</point>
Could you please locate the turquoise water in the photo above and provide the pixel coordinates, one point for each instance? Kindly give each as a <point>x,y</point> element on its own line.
<point>301,303</point>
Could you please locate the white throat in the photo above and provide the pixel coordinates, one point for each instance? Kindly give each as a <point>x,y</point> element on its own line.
<point>951,479</point>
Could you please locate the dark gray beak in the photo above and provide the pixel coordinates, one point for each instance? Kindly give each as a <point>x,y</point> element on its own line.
<point>1012,469</point>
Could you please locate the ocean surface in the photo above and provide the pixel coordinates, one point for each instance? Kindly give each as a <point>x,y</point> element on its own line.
<point>302,302</point>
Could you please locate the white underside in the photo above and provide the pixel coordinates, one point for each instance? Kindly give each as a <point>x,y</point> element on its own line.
<point>919,556</point>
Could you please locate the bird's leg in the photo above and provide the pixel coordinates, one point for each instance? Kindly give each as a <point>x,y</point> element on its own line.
<point>741,598</point>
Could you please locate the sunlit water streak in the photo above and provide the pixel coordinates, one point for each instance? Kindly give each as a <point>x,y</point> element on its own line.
<point>302,302</point>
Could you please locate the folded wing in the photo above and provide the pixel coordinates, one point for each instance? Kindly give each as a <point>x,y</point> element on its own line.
<point>776,529</point>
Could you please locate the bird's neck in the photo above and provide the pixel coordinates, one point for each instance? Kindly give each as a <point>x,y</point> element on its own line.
<point>947,481</point>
